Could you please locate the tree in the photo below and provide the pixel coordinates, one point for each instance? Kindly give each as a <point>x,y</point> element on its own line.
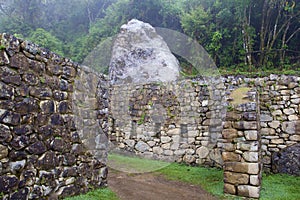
<point>47,40</point>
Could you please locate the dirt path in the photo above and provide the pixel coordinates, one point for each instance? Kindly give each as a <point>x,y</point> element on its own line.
<point>150,186</point>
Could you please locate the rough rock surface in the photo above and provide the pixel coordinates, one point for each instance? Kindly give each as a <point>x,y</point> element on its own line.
<point>140,55</point>
<point>287,161</point>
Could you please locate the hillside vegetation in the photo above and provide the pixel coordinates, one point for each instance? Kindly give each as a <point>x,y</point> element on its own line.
<point>240,35</point>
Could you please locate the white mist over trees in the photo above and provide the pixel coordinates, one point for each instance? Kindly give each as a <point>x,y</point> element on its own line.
<point>246,33</point>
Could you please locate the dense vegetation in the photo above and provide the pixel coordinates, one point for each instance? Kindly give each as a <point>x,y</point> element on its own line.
<point>244,34</point>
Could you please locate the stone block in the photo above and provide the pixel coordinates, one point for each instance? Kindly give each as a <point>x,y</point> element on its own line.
<point>228,146</point>
<point>179,152</point>
<point>165,139</point>
<point>189,159</point>
<point>168,153</point>
<point>289,111</point>
<point>230,156</point>
<point>8,183</point>
<point>47,107</point>
<point>289,127</point>
<point>5,135</point>
<point>250,156</point>
<point>248,191</point>
<point>250,168</point>
<point>295,138</point>
<point>229,189</point>
<point>255,180</point>
<point>266,118</point>
<point>277,113</point>
<point>37,148</point>
<point>202,152</point>
<point>267,131</point>
<point>277,141</point>
<point>245,125</point>
<point>175,131</point>
<point>130,143</point>
<point>3,151</point>
<point>233,116</point>
<point>6,91</point>
<point>236,178</point>
<point>193,134</point>
<point>166,146</point>
<point>251,135</point>
<point>158,150</point>
<point>229,133</point>
<point>250,116</point>
<point>274,124</point>
<point>250,146</point>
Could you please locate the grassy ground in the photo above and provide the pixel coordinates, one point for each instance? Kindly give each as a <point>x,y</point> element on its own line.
<point>283,187</point>
<point>134,164</point>
<point>103,194</point>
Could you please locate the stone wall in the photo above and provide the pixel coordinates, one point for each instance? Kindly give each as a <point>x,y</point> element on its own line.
<point>45,150</point>
<point>183,121</point>
<point>279,97</point>
<point>179,121</point>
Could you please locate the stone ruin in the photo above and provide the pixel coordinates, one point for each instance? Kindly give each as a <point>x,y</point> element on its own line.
<point>56,118</point>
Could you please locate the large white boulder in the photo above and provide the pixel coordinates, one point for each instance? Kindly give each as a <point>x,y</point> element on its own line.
<point>140,55</point>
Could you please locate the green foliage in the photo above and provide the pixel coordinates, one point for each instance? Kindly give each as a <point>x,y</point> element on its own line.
<point>249,35</point>
<point>47,40</point>
<point>142,118</point>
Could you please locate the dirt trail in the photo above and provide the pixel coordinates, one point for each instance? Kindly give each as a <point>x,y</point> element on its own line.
<point>150,186</point>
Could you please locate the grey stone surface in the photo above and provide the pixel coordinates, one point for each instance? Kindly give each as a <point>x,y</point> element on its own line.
<point>287,160</point>
<point>140,55</point>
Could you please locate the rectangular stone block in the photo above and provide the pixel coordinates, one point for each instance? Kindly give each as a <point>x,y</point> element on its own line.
<point>245,125</point>
<point>230,156</point>
<point>248,191</point>
<point>236,178</point>
<point>228,146</point>
<point>255,180</point>
<point>250,156</point>
<point>250,168</point>
<point>229,189</point>
<point>251,135</point>
<point>229,133</point>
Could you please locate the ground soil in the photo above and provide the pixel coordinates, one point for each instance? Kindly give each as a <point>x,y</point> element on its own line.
<point>153,186</point>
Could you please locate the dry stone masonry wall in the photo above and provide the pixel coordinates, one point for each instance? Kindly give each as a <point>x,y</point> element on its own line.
<point>279,98</point>
<point>178,121</point>
<point>43,154</point>
<point>184,120</point>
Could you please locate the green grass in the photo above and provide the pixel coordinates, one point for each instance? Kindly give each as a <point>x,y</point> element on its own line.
<point>280,186</point>
<point>210,179</point>
<point>134,164</point>
<point>274,186</point>
<point>103,194</point>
